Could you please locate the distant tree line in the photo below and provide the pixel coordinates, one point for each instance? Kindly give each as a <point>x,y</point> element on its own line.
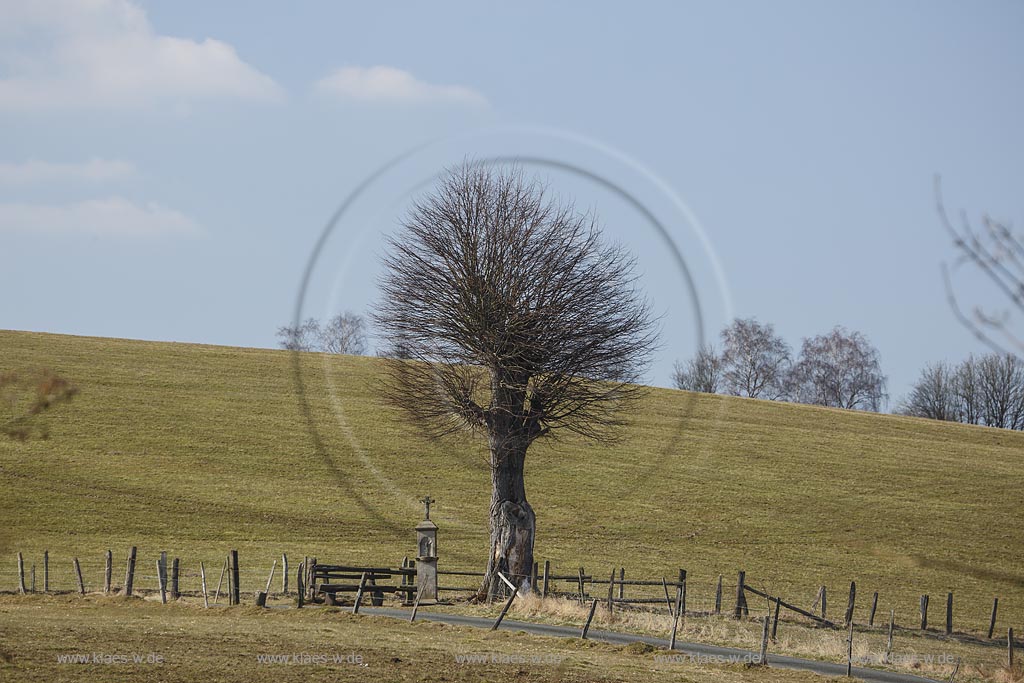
<point>344,333</point>
<point>840,369</point>
<point>984,390</point>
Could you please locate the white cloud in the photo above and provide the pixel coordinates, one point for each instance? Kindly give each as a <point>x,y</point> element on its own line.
<point>386,83</point>
<point>114,216</point>
<point>94,170</point>
<point>104,53</point>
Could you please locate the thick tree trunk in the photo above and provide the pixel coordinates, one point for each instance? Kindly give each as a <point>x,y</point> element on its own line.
<point>513,523</point>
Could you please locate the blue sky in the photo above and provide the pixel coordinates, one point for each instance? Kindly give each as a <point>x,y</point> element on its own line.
<point>166,169</point>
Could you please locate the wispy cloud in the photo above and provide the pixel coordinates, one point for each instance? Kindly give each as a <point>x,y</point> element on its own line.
<point>93,171</point>
<point>114,216</point>
<point>103,53</point>
<point>389,84</point>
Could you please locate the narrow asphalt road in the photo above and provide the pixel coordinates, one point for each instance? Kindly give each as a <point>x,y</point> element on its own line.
<point>695,650</point>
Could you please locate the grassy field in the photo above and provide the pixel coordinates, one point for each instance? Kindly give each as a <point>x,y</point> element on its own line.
<point>198,449</point>
<point>186,643</point>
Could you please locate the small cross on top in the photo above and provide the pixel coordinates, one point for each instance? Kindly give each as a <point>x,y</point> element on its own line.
<point>426,502</point>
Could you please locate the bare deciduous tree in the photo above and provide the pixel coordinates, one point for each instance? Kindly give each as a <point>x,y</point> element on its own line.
<point>934,395</point>
<point>1001,388</point>
<point>702,373</point>
<point>754,360</point>
<point>840,369</point>
<point>966,389</point>
<point>345,333</point>
<point>301,337</point>
<point>996,253</point>
<point>519,322</point>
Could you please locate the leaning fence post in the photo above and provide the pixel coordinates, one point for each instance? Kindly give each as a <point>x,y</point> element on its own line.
<point>739,595</point>
<point>849,652</point>
<point>924,612</point>
<point>992,623</point>
<point>823,595</point>
<point>21,574</point>
<point>270,578</point>
<point>220,581</point>
<point>850,602</point>
<point>78,578</point>
<point>108,566</point>
<point>668,600</point>
<point>675,616</point>
<point>874,606</point>
<point>129,572</point>
<point>359,594</point>
<point>590,617</point>
<point>515,592</point>
<point>202,575</point>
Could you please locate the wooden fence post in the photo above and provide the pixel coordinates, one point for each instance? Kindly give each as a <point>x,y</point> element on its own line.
<point>992,623</point>
<point>582,590</point>
<point>202,575</point>
<point>1009,649</point>
<point>823,594</point>
<point>270,578</point>
<point>46,571</point>
<point>261,598</point>
<point>850,602</point>
<point>874,606</point>
<point>108,568</point>
<point>924,612</point>
<point>611,592</point>
<point>533,578</point>
<point>235,589</point>
<point>888,645</point>
<point>762,657</point>
<point>163,566</point>
<point>78,577</point>
<point>622,585</point>
<point>949,613</point>
<point>718,596</point>
<point>160,580</point>
<point>668,600</point>
<point>675,616</point>
<point>220,581</point>
<point>174,579</point>
<point>849,652</point>
<point>739,595</point>
<point>359,594</point>
<point>504,610</point>
<point>547,571</point>
<point>129,572</point>
<point>300,587</point>
<point>21,574</point>
<point>775,621</point>
<point>590,617</point>
<point>284,573</point>
<point>33,575</point>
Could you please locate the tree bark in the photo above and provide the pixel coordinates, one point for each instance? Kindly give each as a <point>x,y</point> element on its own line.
<point>512,520</point>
